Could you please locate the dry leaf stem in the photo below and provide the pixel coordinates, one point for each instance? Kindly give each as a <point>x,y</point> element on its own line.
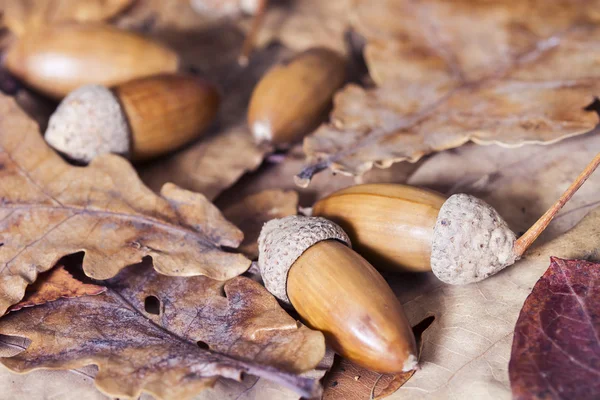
<point>523,243</point>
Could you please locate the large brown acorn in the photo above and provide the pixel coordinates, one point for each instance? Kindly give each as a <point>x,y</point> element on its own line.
<point>56,60</point>
<point>140,119</point>
<point>461,239</point>
<point>307,262</point>
<point>293,97</point>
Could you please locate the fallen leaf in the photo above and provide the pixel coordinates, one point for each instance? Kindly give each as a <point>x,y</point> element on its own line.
<point>350,381</point>
<point>218,160</point>
<point>254,388</point>
<point>168,336</point>
<point>49,209</point>
<point>22,15</point>
<point>449,73</point>
<point>252,212</point>
<point>467,350</point>
<point>152,16</point>
<point>55,284</point>
<point>301,24</point>
<point>556,349</point>
<point>277,170</point>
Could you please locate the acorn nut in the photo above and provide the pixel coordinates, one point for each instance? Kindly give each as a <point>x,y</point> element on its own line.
<point>140,119</point>
<point>56,60</point>
<point>307,262</point>
<point>292,98</point>
<point>461,239</point>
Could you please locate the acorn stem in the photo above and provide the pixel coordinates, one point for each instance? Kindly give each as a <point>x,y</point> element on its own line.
<point>523,243</point>
<point>250,39</point>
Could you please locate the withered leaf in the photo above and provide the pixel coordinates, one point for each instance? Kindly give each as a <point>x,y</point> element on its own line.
<point>449,73</point>
<point>219,159</point>
<point>301,24</point>
<point>197,330</point>
<point>253,211</point>
<point>56,284</point>
<point>49,209</point>
<point>22,15</point>
<point>556,348</point>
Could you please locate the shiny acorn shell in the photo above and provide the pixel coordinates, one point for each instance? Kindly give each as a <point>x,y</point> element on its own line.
<point>338,292</point>
<point>292,98</point>
<point>58,59</point>
<point>391,225</point>
<point>166,112</point>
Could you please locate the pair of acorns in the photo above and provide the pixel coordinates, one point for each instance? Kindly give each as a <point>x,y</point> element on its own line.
<point>124,95</point>
<point>307,262</point>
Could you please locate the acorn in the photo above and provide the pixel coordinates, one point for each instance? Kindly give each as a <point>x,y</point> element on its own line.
<point>292,98</point>
<point>307,262</point>
<point>56,60</point>
<point>461,239</point>
<point>140,119</point>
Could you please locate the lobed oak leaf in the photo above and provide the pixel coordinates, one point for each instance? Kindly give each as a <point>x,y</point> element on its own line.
<point>197,330</point>
<point>301,24</point>
<point>22,15</point>
<point>55,284</point>
<point>556,348</point>
<point>49,209</point>
<point>449,73</point>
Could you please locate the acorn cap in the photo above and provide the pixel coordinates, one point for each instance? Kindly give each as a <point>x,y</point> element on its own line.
<point>283,240</point>
<point>89,122</point>
<point>471,241</point>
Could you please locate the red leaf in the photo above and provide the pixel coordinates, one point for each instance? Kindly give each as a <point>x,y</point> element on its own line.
<point>556,347</point>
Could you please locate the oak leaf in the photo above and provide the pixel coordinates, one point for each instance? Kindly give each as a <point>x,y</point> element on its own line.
<point>22,15</point>
<point>556,348</point>
<point>49,209</point>
<point>449,73</point>
<point>56,284</point>
<point>168,336</point>
<point>301,24</point>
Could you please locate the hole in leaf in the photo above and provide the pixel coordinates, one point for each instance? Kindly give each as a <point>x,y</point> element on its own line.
<point>152,305</point>
<point>203,345</point>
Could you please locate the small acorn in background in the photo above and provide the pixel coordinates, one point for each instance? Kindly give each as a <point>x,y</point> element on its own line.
<point>292,98</point>
<point>461,239</point>
<point>140,119</point>
<point>307,262</point>
<point>56,60</point>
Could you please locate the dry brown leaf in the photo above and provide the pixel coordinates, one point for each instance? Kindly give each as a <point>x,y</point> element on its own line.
<point>55,284</point>
<point>50,209</point>
<point>277,171</point>
<point>448,73</point>
<point>301,24</point>
<point>172,15</point>
<point>215,162</point>
<point>168,336</point>
<point>253,211</point>
<point>22,15</point>
<point>466,351</point>
<point>79,383</point>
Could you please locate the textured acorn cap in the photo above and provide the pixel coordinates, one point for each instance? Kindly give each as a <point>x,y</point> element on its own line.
<point>471,241</point>
<point>283,240</point>
<point>89,122</point>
